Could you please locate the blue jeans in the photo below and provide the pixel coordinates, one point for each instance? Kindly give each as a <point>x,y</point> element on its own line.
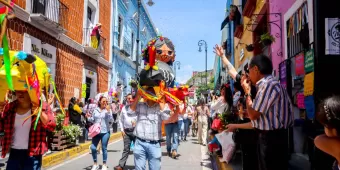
<point>20,160</point>
<point>171,130</point>
<point>181,128</point>
<point>150,152</point>
<point>104,137</point>
<point>186,127</point>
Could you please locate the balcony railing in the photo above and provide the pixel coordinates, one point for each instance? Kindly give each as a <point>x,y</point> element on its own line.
<point>90,47</point>
<point>53,10</point>
<point>126,50</point>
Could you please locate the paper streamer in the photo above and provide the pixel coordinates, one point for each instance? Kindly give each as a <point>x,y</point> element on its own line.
<point>6,57</point>
<point>57,96</point>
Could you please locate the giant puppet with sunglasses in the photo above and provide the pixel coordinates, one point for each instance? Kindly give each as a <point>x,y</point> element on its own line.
<point>159,56</point>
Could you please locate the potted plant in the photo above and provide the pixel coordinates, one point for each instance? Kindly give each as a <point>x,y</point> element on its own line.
<point>267,39</point>
<point>72,132</point>
<point>250,47</point>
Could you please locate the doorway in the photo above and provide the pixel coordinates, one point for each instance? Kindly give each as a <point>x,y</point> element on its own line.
<point>88,82</point>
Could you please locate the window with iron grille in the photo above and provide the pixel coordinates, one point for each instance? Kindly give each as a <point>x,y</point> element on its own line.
<point>120,29</point>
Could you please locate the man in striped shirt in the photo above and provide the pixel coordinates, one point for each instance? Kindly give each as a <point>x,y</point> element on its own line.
<point>270,113</point>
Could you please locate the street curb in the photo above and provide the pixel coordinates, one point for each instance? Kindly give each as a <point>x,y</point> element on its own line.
<point>61,156</point>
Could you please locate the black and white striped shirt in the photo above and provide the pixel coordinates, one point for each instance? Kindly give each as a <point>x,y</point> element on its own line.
<point>274,104</point>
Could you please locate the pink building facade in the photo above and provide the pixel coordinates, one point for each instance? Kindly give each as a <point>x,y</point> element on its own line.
<point>277,9</point>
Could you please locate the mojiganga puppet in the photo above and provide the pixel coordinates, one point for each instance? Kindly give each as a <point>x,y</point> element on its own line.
<point>158,49</point>
<point>158,55</point>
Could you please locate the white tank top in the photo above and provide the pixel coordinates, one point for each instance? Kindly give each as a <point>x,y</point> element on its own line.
<point>21,131</point>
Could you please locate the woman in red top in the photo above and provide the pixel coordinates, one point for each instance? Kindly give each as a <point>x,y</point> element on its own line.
<point>95,36</point>
<point>24,144</point>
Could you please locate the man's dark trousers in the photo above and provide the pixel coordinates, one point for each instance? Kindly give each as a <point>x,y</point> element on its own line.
<point>128,138</point>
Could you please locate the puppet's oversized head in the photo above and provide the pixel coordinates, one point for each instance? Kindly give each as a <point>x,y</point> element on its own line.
<point>28,72</point>
<point>161,48</point>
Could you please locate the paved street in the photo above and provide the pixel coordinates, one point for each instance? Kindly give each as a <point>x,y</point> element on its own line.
<point>190,158</point>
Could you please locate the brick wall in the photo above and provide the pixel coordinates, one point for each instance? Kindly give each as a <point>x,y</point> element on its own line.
<point>70,62</point>
<point>104,19</point>
<point>103,75</point>
<point>21,3</point>
<point>69,67</point>
<point>74,15</point>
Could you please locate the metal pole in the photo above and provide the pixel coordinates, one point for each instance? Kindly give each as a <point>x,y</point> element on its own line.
<point>206,64</point>
<point>176,65</point>
<point>175,71</point>
<point>137,40</point>
<point>200,43</point>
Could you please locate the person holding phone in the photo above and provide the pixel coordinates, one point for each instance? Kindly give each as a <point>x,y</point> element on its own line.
<point>271,114</point>
<point>102,115</point>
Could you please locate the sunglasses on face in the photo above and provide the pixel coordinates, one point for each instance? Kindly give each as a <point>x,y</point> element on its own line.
<point>161,52</point>
<point>104,101</point>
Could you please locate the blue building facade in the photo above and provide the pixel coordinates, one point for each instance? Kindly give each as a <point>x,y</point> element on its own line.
<point>227,29</point>
<point>124,35</point>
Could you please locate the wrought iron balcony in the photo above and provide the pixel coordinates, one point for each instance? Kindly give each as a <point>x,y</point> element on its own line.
<point>90,47</point>
<point>126,49</point>
<point>50,14</point>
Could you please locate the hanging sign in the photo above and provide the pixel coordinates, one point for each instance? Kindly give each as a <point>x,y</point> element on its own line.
<point>83,91</point>
<point>283,75</point>
<point>309,84</point>
<point>300,100</point>
<point>332,36</point>
<point>299,64</point>
<point>309,61</point>
<point>310,107</point>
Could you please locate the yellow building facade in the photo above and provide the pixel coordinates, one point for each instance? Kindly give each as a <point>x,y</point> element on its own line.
<point>244,35</point>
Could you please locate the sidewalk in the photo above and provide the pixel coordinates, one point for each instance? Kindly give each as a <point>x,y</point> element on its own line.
<point>190,158</point>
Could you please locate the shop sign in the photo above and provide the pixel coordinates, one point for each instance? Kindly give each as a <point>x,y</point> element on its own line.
<point>310,107</point>
<point>309,61</point>
<point>283,72</point>
<point>299,64</point>
<point>309,84</point>
<point>332,36</point>
<point>44,50</point>
<point>300,100</point>
<point>83,90</point>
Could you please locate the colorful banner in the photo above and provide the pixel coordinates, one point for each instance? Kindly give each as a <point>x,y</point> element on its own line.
<point>309,61</point>
<point>300,100</point>
<point>310,107</point>
<point>309,84</point>
<point>283,74</point>
<point>299,64</point>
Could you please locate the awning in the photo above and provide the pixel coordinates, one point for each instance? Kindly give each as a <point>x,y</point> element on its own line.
<point>225,22</point>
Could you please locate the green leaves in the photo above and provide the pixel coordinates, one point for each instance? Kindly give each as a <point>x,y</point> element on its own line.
<point>72,132</point>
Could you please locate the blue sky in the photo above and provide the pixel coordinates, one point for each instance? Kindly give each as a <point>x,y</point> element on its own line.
<point>186,22</point>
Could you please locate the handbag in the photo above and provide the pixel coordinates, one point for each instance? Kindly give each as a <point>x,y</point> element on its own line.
<point>95,129</point>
